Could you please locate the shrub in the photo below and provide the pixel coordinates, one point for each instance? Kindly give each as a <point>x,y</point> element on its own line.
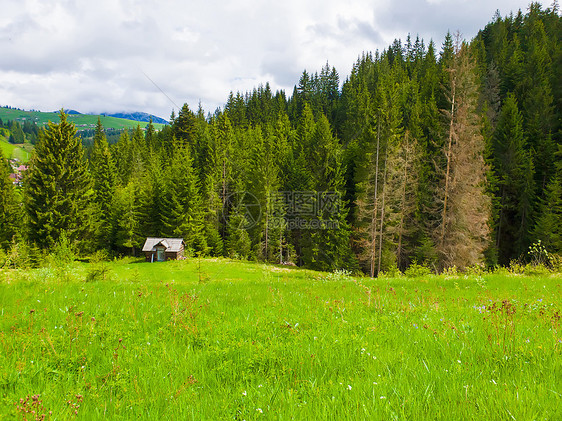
<point>391,273</point>
<point>451,272</point>
<point>98,268</point>
<point>63,253</point>
<point>338,275</point>
<point>516,267</point>
<point>21,255</point>
<point>539,255</point>
<point>415,270</point>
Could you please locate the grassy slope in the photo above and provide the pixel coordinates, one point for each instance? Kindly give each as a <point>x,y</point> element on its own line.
<point>216,339</point>
<point>14,151</point>
<point>82,121</point>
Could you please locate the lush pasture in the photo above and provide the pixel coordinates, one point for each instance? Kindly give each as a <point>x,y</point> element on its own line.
<point>15,151</point>
<point>216,339</point>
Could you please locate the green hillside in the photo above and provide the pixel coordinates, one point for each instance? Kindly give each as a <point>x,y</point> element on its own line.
<point>82,121</point>
<point>15,151</point>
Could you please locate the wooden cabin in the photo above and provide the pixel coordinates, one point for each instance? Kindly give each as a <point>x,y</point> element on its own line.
<point>162,249</point>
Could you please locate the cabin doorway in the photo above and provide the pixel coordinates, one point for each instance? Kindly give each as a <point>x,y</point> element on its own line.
<point>160,254</point>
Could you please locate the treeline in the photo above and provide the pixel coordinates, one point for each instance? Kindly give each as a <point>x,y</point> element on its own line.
<point>443,158</point>
<point>20,133</point>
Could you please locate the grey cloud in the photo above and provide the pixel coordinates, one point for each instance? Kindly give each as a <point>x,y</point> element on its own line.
<point>282,67</point>
<point>359,29</point>
<point>432,21</point>
<point>346,30</point>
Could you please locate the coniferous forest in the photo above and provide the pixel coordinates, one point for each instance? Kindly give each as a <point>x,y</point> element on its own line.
<point>444,156</point>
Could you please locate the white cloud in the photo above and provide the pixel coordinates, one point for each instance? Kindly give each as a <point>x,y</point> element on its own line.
<point>94,56</point>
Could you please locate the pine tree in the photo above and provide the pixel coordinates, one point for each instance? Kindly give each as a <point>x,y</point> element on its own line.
<point>267,151</point>
<point>103,171</point>
<point>372,177</point>
<point>183,214</point>
<point>512,166</point>
<point>549,224</point>
<point>122,153</point>
<point>238,242</point>
<point>8,205</point>
<point>150,137</point>
<point>299,179</point>
<point>220,180</point>
<point>329,246</point>
<point>184,127</point>
<point>58,190</point>
<point>367,186</point>
<point>126,209</point>
<point>465,210</point>
<point>537,105</point>
<point>403,184</point>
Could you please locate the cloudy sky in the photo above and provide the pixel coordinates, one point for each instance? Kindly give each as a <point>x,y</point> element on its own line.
<point>155,55</point>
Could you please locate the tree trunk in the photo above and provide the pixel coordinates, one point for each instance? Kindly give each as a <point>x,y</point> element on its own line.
<point>403,210</point>
<point>447,174</point>
<point>382,210</point>
<point>375,208</point>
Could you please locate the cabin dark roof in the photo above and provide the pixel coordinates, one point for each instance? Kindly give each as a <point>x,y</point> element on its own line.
<point>170,244</point>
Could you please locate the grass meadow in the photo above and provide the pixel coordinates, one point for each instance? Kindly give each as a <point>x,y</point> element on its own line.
<point>21,152</point>
<point>220,339</point>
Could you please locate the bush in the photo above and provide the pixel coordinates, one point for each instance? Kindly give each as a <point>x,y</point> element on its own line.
<point>451,272</point>
<point>539,255</point>
<point>516,267</point>
<point>475,270</point>
<point>415,270</point>
<point>98,268</point>
<point>21,255</point>
<point>556,262</point>
<point>537,269</point>
<point>63,253</point>
<point>338,275</point>
<point>391,273</point>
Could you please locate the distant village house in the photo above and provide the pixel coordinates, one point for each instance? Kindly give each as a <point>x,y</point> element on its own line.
<point>17,175</point>
<point>162,249</point>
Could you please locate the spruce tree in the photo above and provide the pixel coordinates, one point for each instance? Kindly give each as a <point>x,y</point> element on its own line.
<point>511,165</point>
<point>8,205</point>
<point>183,213</point>
<point>184,127</point>
<point>329,247</point>
<point>463,231</point>
<point>549,224</point>
<point>267,151</point>
<point>126,210</point>
<point>103,171</point>
<point>58,189</point>
<point>122,153</point>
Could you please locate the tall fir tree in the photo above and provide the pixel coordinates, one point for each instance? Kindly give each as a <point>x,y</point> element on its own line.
<point>512,167</point>
<point>549,224</point>
<point>8,205</point>
<point>463,231</point>
<point>329,246</point>
<point>103,171</point>
<point>183,213</point>
<point>58,189</point>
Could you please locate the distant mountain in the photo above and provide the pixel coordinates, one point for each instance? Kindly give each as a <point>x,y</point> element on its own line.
<point>68,112</point>
<point>137,116</point>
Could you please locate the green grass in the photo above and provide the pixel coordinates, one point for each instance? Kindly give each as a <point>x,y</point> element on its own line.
<point>82,121</point>
<point>219,339</point>
<point>21,152</point>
